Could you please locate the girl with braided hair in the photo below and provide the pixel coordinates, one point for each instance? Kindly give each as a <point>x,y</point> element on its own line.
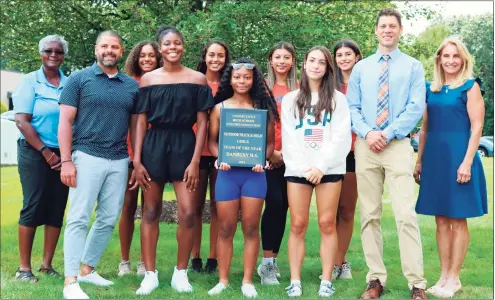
<point>242,86</point>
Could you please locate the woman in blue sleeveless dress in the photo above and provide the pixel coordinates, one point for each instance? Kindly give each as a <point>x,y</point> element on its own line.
<point>448,169</point>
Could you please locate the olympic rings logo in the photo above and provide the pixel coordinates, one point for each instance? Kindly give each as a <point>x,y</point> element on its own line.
<point>313,145</point>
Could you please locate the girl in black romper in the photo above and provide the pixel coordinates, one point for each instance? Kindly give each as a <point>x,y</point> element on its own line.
<point>171,99</point>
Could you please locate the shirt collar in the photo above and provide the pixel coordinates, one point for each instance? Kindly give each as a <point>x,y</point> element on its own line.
<point>98,71</point>
<point>393,55</point>
<point>41,78</point>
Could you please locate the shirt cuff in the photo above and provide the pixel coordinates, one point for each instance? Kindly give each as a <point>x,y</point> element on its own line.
<point>389,133</point>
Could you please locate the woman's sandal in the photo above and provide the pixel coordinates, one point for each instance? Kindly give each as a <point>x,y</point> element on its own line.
<point>433,289</point>
<point>445,293</point>
<point>25,276</point>
<point>49,271</point>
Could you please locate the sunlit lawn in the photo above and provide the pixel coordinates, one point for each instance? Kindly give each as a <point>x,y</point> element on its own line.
<point>476,275</point>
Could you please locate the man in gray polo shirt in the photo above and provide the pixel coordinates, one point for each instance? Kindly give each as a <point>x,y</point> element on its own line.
<point>95,111</point>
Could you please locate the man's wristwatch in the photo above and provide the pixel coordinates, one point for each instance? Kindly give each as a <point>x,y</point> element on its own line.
<point>42,148</point>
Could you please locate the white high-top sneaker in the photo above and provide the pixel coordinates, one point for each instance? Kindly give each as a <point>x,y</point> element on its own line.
<point>180,282</point>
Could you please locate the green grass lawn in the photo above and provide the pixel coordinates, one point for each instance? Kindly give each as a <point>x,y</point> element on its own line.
<point>476,274</point>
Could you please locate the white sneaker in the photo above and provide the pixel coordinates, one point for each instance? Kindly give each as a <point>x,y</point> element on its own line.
<point>149,283</point>
<point>94,278</point>
<point>326,290</point>
<point>124,268</point>
<point>268,274</point>
<point>217,289</point>
<point>141,270</point>
<point>74,291</point>
<point>345,272</point>
<point>180,282</point>
<point>294,290</point>
<point>248,290</point>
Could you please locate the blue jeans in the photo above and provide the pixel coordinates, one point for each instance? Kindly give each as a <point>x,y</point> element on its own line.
<point>98,180</point>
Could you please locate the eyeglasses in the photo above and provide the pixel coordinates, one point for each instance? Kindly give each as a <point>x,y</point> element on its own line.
<point>50,52</point>
<point>248,66</point>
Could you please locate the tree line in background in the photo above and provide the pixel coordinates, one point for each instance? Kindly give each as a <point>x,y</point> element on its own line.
<point>250,27</point>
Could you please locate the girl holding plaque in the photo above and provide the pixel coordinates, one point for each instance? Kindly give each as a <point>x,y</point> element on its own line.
<point>282,78</point>
<point>215,58</point>
<point>316,138</point>
<point>242,86</point>
<point>172,98</point>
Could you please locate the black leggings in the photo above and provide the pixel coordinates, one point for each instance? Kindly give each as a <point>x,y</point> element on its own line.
<point>275,213</point>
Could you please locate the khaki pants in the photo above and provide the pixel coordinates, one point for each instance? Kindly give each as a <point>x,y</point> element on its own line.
<point>395,165</point>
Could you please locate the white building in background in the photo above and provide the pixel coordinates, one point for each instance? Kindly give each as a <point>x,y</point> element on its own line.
<point>8,82</point>
<point>9,135</point>
<point>9,132</point>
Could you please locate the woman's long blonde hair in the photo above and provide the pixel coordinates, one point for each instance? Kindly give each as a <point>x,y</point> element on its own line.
<point>466,71</point>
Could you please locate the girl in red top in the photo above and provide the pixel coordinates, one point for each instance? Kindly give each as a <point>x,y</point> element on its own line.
<point>282,78</point>
<point>215,58</point>
<point>144,57</point>
<point>346,54</point>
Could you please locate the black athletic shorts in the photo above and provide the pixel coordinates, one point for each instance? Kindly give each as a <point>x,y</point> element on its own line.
<point>324,179</point>
<point>350,163</point>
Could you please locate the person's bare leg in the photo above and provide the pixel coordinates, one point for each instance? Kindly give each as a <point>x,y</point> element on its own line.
<point>150,229</point>
<point>186,207</point>
<point>346,210</point>
<point>228,212</point>
<point>327,199</point>
<point>213,216</point>
<point>459,246</point>
<point>50,244</point>
<point>250,217</point>
<point>200,195</point>
<point>299,201</point>
<point>444,242</point>
<point>126,223</point>
<point>26,237</point>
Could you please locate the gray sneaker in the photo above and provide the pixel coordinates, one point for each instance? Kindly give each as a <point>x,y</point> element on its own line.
<point>268,274</point>
<point>345,272</point>
<point>277,270</point>
<point>141,270</point>
<point>124,268</point>
<point>336,273</point>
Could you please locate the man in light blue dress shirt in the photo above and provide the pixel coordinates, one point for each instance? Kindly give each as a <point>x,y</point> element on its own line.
<point>386,96</point>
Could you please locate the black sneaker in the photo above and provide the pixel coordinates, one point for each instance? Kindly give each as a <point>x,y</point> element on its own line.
<point>211,266</point>
<point>197,265</point>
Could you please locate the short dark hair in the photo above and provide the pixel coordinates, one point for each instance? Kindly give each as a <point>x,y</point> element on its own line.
<point>111,33</point>
<point>389,12</point>
<point>163,30</point>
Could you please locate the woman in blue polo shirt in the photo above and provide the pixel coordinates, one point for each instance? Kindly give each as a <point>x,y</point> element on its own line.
<point>44,195</point>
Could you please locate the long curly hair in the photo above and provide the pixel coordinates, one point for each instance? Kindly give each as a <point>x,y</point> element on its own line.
<point>201,67</point>
<point>132,67</point>
<point>260,94</point>
<point>326,92</point>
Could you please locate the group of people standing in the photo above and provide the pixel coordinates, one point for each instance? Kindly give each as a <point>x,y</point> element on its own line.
<point>79,132</point>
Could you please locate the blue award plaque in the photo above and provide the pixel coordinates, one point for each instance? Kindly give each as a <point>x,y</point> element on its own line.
<point>242,140</point>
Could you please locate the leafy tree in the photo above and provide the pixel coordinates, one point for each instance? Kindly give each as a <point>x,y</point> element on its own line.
<point>250,27</point>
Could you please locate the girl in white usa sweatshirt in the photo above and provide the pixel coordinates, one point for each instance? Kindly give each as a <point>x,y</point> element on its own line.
<point>309,144</point>
<point>316,138</point>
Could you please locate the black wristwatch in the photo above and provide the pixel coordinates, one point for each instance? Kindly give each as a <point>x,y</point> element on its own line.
<point>42,148</point>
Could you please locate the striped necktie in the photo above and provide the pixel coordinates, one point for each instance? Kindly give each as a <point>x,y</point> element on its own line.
<point>382,103</point>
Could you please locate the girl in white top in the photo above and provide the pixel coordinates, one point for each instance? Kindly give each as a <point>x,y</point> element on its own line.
<point>316,138</point>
